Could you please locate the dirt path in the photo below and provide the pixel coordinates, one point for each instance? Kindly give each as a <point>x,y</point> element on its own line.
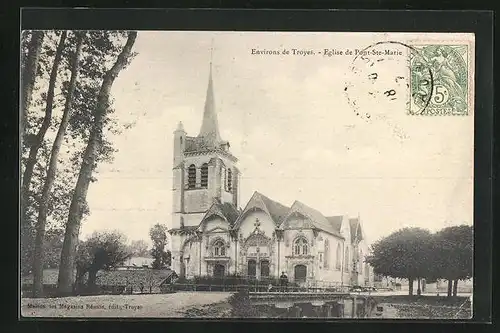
<point>157,305</point>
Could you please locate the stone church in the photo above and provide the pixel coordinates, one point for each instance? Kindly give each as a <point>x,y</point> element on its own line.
<point>211,235</point>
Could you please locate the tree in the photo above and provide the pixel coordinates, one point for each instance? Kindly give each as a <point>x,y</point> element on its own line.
<point>139,248</point>
<point>52,246</point>
<point>102,250</point>
<point>162,258</point>
<point>403,254</point>
<point>89,159</point>
<point>99,51</point>
<point>51,174</point>
<point>29,66</point>
<point>453,255</point>
<point>37,140</point>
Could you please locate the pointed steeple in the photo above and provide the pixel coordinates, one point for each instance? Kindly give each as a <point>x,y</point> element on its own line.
<point>210,126</point>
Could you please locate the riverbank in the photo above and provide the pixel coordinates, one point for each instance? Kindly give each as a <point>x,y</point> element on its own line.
<point>423,307</point>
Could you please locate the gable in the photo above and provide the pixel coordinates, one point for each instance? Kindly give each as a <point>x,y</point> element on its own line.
<point>275,210</point>
<point>318,220</point>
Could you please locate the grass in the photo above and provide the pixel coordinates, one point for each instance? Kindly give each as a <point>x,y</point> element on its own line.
<point>426,307</point>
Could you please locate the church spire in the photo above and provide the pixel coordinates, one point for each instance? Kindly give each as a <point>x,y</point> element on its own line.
<point>210,126</point>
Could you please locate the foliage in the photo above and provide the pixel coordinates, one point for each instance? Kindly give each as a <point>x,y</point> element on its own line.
<point>52,247</point>
<point>102,250</point>
<point>100,49</point>
<point>139,248</point>
<point>403,254</point>
<point>453,253</point>
<point>415,253</point>
<point>158,234</point>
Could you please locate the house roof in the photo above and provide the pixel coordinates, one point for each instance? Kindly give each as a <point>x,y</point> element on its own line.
<point>355,229</point>
<point>317,219</point>
<point>138,261</point>
<point>50,276</point>
<point>134,278</point>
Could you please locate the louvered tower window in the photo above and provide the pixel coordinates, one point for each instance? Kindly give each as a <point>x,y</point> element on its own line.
<point>204,175</point>
<point>229,180</point>
<point>192,176</point>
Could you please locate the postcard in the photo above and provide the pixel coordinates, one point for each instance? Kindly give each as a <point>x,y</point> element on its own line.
<point>205,174</point>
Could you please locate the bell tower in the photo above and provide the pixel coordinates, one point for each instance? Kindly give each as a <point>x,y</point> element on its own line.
<point>204,170</point>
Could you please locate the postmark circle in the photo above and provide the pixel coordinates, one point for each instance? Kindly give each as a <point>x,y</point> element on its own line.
<point>389,74</point>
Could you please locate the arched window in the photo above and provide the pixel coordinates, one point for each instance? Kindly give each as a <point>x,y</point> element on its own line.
<point>219,249</point>
<point>192,176</point>
<point>338,257</point>
<point>346,260</point>
<point>327,253</point>
<point>204,175</point>
<point>229,180</point>
<point>300,247</point>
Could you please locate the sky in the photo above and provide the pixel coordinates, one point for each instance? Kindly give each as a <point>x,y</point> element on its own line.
<point>293,128</point>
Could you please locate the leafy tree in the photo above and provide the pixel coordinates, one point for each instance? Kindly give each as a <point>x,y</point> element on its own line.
<point>31,47</point>
<point>52,247</point>
<point>453,255</point>
<point>139,248</point>
<point>37,140</point>
<point>403,254</point>
<point>90,158</point>
<point>102,250</point>
<point>99,52</point>
<point>162,258</point>
<point>51,174</point>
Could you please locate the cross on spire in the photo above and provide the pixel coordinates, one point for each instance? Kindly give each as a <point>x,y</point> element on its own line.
<point>211,53</point>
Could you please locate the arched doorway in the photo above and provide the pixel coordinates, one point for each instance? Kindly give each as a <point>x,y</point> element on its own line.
<point>264,268</point>
<point>300,273</point>
<point>219,270</point>
<point>252,268</point>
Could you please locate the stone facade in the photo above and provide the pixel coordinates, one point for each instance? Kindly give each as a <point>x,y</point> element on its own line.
<point>211,235</point>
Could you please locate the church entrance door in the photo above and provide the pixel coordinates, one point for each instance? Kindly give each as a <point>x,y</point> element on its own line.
<point>264,268</point>
<point>219,270</point>
<point>252,268</point>
<point>300,273</point>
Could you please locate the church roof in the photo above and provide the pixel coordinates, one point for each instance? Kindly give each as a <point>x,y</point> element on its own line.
<point>226,209</point>
<point>318,220</point>
<point>335,221</point>
<point>277,210</point>
<point>210,126</point>
<point>355,229</point>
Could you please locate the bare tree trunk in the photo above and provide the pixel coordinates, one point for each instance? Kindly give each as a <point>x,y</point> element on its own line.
<point>419,291</point>
<point>455,287</point>
<point>70,243</point>
<point>38,140</point>
<point>410,286</point>
<point>450,282</point>
<point>29,72</point>
<point>51,174</point>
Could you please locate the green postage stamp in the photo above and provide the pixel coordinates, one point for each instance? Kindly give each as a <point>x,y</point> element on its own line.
<point>440,80</point>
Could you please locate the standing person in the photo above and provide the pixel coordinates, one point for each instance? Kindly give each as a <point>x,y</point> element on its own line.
<point>283,281</point>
